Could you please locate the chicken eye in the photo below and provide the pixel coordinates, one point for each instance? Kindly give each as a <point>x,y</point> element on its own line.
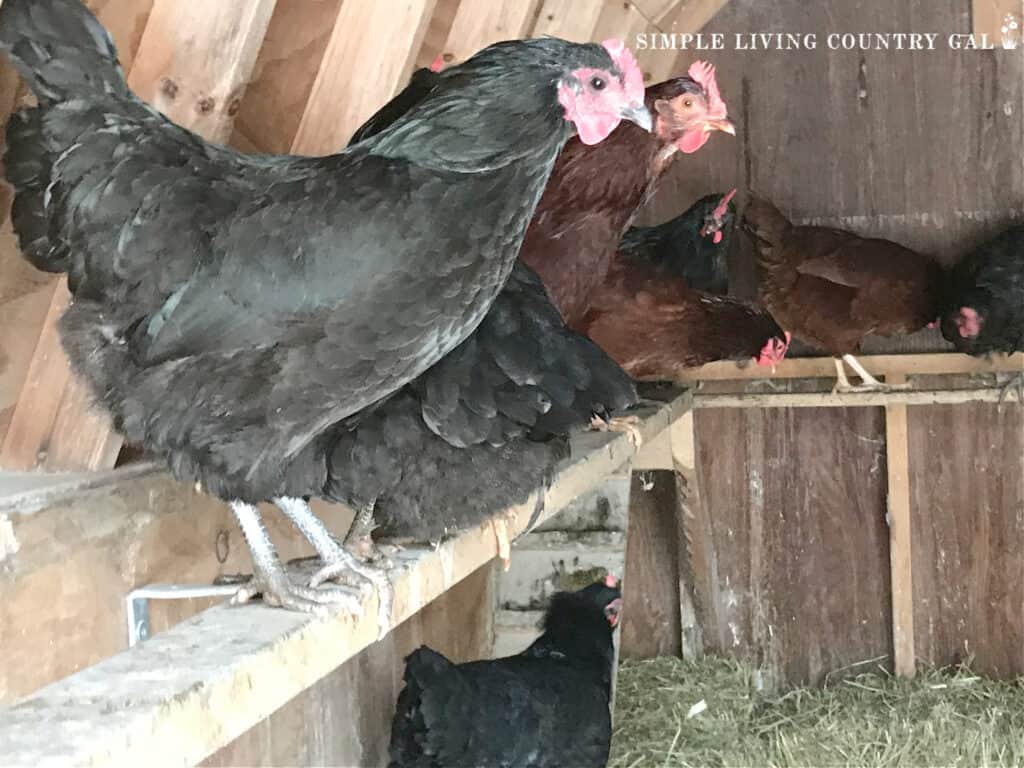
<point>597,83</point>
<point>688,103</point>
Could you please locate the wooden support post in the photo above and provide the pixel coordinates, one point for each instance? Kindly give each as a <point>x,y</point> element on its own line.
<point>194,60</point>
<point>694,546</point>
<point>900,555</point>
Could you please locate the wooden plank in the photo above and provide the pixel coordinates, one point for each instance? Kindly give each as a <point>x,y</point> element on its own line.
<point>477,25</point>
<point>194,688</point>
<point>1001,21</point>
<point>345,719</point>
<point>283,75</point>
<point>650,618</point>
<point>687,16</point>
<point>967,517</point>
<point>437,32</point>
<point>881,365</point>
<point>694,547</point>
<point>574,20</point>
<point>359,72</point>
<point>897,460</point>
<point>794,520</point>
<point>194,60</point>
<point>853,399</point>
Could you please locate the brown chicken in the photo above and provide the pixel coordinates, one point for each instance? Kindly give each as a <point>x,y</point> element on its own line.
<point>654,325</point>
<point>594,192</point>
<point>831,288</point>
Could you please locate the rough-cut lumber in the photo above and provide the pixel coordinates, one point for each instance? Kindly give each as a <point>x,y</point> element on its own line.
<point>897,462</point>
<point>194,61</point>
<point>694,548</point>
<point>194,688</point>
<point>477,25</point>
<point>370,56</point>
<point>884,365</point>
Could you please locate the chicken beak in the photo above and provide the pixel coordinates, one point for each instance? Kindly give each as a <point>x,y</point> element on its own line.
<point>639,114</point>
<point>724,124</point>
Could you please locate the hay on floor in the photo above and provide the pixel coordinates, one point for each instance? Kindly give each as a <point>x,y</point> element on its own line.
<point>942,718</point>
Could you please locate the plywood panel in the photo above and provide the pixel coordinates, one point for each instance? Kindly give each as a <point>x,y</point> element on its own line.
<point>345,719</point>
<point>967,501</point>
<point>795,571</point>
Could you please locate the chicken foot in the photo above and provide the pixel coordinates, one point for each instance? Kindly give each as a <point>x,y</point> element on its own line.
<point>868,382</point>
<point>626,425</point>
<point>338,561</point>
<point>270,579</point>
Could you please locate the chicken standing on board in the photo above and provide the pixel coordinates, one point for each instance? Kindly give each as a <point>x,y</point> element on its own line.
<point>547,706</point>
<point>831,288</point>
<point>595,192</point>
<point>237,314</point>
<point>646,315</point>
<point>984,308</point>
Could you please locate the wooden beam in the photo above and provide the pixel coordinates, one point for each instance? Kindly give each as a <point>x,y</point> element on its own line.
<point>1002,21</point>
<point>477,25</point>
<point>369,58</point>
<point>897,465</point>
<point>185,693</point>
<point>881,365</point>
<point>689,15</point>
<point>857,399</point>
<point>194,60</point>
<point>573,20</point>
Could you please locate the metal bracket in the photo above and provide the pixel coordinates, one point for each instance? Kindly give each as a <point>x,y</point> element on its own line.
<point>137,603</point>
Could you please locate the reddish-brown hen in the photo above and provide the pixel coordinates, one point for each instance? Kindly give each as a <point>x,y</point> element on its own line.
<point>654,325</point>
<point>831,288</point>
<point>594,192</point>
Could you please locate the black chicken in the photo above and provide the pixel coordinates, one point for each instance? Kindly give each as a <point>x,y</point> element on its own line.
<point>240,315</point>
<point>547,706</point>
<point>984,308</point>
<point>693,246</point>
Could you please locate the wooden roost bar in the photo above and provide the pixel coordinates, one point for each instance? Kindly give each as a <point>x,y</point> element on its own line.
<point>887,523</point>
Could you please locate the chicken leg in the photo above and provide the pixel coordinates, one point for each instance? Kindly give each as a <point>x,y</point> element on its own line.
<point>337,560</point>
<point>270,579</point>
<point>868,382</point>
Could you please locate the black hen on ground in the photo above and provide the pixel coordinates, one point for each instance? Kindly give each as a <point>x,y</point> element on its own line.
<point>237,313</point>
<point>547,706</point>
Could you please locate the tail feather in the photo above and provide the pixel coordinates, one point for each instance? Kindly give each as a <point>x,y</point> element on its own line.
<point>60,48</point>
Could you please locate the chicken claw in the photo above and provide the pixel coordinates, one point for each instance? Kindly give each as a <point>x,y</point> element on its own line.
<point>627,425</point>
<point>277,589</point>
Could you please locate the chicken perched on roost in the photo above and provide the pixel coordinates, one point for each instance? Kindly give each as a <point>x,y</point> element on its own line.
<point>244,317</point>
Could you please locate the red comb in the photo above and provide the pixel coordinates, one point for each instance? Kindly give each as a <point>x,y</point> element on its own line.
<point>703,73</point>
<point>724,205</point>
<point>437,64</point>
<point>626,62</point>
<point>611,581</point>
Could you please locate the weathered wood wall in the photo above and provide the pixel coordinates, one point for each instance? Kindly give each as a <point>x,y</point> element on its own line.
<point>925,148</point>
